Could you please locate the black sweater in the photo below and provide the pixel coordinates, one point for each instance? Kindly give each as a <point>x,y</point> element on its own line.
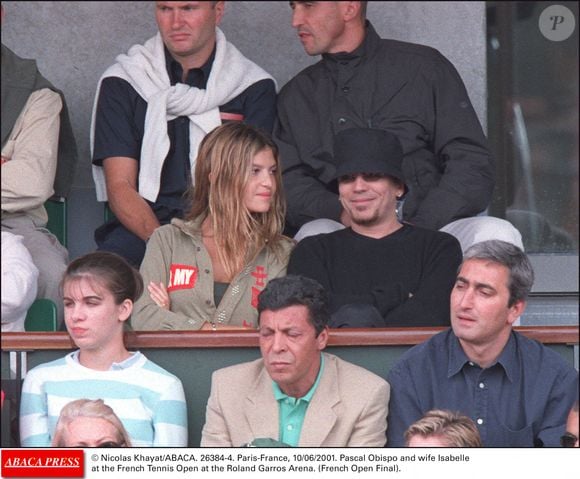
<point>407,275</point>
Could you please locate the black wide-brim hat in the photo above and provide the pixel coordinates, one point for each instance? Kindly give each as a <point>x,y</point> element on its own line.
<point>368,150</point>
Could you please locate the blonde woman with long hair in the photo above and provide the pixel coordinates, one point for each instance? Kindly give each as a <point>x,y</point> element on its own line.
<point>206,271</point>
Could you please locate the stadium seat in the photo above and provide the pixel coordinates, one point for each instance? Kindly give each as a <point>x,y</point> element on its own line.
<point>109,215</point>
<point>56,207</point>
<point>41,316</point>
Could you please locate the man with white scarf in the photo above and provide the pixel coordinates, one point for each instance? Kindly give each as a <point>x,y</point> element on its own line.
<point>152,109</point>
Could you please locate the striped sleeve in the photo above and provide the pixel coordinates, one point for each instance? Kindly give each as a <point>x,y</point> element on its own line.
<point>170,414</point>
<point>34,412</point>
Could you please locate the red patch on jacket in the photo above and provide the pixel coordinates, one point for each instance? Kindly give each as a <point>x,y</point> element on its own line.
<point>182,276</point>
<point>260,275</point>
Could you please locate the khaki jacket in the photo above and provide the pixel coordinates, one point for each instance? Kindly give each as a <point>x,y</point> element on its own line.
<point>176,257</point>
<point>31,149</point>
<point>349,407</point>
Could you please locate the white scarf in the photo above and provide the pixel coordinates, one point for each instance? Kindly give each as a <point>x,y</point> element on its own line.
<point>144,68</point>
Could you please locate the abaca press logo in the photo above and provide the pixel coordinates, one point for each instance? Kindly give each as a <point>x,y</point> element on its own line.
<point>42,463</point>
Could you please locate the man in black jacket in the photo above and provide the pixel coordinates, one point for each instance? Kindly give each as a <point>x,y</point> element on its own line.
<point>410,90</point>
<point>379,272</point>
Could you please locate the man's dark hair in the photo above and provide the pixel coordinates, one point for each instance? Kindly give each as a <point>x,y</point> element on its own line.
<point>294,290</point>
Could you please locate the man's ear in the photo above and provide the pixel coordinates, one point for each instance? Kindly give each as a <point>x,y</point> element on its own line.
<point>322,339</point>
<point>516,310</point>
<point>219,12</point>
<point>351,10</point>
<point>400,190</point>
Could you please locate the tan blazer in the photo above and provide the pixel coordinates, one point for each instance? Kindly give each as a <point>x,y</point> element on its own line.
<point>349,407</point>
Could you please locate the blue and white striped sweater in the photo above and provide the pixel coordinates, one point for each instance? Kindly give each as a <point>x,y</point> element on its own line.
<point>148,400</point>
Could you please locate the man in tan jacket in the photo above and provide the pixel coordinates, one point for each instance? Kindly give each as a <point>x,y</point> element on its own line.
<point>296,394</point>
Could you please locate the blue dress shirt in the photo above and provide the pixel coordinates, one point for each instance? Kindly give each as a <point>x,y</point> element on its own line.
<point>521,400</point>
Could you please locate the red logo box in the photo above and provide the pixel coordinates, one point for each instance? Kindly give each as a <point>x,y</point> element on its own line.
<point>43,463</point>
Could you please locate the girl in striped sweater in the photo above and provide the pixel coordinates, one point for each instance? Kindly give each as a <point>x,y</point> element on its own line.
<point>99,291</point>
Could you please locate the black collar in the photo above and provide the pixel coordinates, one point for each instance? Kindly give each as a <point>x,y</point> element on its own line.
<point>196,77</point>
<point>369,43</point>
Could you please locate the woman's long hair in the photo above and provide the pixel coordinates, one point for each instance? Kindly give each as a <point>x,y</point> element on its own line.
<point>226,154</point>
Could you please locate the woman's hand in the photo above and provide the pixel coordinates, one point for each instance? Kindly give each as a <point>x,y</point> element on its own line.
<point>159,294</point>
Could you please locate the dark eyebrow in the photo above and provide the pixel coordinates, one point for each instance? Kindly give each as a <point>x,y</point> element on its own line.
<point>461,279</point>
<point>485,286</point>
<point>282,330</point>
<point>84,298</point>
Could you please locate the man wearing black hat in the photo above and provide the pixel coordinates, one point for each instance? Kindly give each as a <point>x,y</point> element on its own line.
<point>379,272</point>
<point>411,90</point>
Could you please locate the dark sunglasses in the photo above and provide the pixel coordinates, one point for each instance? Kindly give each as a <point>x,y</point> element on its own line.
<point>568,440</point>
<point>368,177</point>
